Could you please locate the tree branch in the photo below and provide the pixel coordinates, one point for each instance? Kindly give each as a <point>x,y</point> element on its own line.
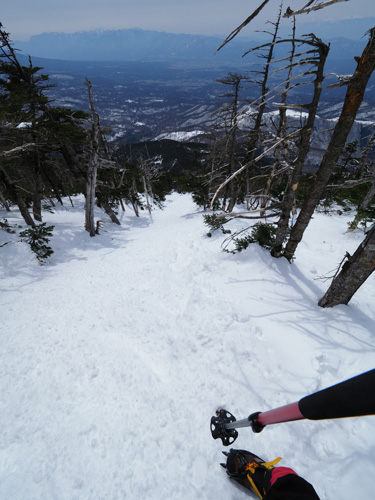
<point>306,9</point>
<point>352,183</point>
<point>18,149</point>
<point>293,134</point>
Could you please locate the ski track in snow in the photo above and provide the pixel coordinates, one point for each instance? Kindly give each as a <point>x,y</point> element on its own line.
<point>115,355</point>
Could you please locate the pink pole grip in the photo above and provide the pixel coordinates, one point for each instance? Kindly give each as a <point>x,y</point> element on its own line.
<point>286,413</point>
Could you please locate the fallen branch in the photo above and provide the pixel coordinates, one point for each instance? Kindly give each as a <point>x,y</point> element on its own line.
<point>237,215</point>
<point>18,149</point>
<point>352,183</point>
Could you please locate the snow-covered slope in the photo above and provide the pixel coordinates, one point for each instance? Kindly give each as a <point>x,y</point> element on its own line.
<point>116,353</point>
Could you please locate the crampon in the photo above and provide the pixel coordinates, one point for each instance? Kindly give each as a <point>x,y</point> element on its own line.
<point>249,470</point>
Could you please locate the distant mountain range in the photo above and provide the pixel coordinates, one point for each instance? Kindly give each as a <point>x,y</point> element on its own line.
<point>141,45</point>
<point>354,29</point>
<point>130,45</point>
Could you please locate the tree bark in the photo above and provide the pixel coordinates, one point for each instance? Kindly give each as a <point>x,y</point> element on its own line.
<point>92,167</point>
<point>353,273</point>
<point>353,100</point>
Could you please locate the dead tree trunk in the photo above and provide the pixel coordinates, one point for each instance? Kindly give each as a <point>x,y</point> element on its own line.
<point>229,118</point>
<point>146,195</point>
<point>146,166</point>
<point>353,99</point>
<point>36,157</point>
<point>303,149</point>
<point>281,129</point>
<point>92,166</point>
<point>235,81</point>
<point>255,133</point>
<point>353,274</point>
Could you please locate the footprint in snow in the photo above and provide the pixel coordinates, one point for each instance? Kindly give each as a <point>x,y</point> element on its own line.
<point>199,472</point>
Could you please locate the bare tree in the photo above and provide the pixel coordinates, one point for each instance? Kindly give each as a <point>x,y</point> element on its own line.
<point>316,59</point>
<point>282,153</point>
<point>255,133</point>
<point>353,99</point>
<point>253,162</point>
<point>216,159</point>
<point>93,165</point>
<point>239,184</point>
<point>229,117</point>
<point>310,6</point>
<point>96,160</point>
<point>148,171</point>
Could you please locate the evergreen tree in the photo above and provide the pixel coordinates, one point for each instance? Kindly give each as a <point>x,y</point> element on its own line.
<point>34,135</point>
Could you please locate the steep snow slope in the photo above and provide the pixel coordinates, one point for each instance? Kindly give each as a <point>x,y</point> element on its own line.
<point>115,355</point>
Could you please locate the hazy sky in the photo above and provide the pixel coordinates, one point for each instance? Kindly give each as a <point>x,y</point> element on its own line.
<point>22,18</point>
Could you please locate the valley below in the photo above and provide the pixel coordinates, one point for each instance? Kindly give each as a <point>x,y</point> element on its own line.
<point>141,101</point>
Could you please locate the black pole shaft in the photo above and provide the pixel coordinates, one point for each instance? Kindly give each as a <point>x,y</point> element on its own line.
<point>352,398</point>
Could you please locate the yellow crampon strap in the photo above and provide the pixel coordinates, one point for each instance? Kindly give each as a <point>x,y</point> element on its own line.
<point>271,465</point>
<point>251,470</point>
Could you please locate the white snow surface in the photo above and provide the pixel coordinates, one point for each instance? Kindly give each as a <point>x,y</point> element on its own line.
<point>179,136</point>
<point>117,352</point>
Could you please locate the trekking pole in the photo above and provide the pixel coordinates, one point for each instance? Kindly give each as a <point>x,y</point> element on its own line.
<point>354,397</point>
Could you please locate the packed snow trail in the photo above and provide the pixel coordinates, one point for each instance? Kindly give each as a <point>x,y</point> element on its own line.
<point>115,355</point>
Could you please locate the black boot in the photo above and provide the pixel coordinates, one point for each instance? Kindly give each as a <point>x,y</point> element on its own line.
<point>249,470</point>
